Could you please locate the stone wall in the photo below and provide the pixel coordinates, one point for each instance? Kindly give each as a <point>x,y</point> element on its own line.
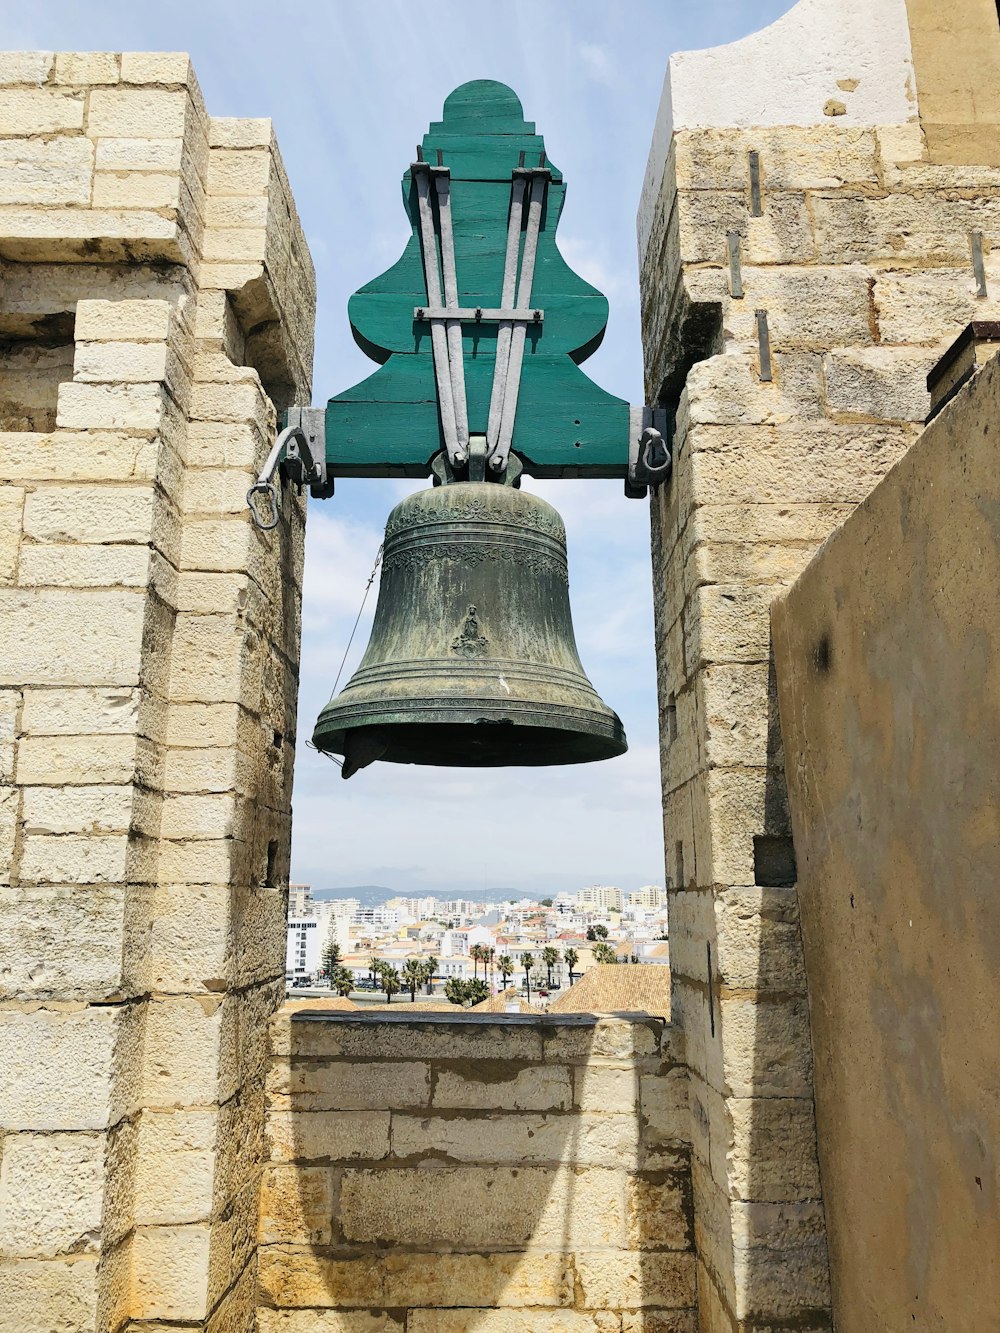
<point>156,305</point>
<point>888,655</point>
<point>854,255</point>
<point>502,1173</point>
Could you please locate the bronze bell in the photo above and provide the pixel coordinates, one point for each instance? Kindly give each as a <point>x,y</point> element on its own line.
<point>472,661</point>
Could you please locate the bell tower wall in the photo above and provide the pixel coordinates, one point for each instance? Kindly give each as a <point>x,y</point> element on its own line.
<point>809,246</point>
<point>156,308</point>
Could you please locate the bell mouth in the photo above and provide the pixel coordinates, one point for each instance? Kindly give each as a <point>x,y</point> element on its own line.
<point>476,743</point>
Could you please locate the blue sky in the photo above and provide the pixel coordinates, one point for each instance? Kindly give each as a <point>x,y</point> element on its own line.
<point>351,86</point>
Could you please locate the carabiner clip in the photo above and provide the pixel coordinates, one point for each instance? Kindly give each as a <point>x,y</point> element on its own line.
<point>265,488</point>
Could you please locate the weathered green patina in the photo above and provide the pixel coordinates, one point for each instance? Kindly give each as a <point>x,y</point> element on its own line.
<point>565,424</point>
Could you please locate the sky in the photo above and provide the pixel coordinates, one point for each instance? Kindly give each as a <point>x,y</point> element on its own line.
<point>351,86</point>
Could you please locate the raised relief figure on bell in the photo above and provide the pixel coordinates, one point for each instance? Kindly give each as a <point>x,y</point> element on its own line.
<point>479,328</point>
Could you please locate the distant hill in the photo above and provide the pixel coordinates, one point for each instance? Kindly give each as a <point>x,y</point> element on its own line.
<point>378,893</point>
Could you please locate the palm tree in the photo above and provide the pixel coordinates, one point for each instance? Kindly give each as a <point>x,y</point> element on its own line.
<point>374,967</point>
<point>550,957</point>
<point>456,991</point>
<point>430,967</point>
<point>390,982</point>
<point>413,975</point>
<point>487,954</point>
<point>342,980</point>
<point>527,962</point>
<point>475,953</point>
<point>505,965</point>
<point>570,958</point>
<point>603,953</point>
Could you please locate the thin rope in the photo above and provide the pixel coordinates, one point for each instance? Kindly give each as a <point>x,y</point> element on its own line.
<point>340,672</point>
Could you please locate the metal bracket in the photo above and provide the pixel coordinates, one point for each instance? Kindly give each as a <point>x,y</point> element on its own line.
<point>650,452</point>
<point>292,456</point>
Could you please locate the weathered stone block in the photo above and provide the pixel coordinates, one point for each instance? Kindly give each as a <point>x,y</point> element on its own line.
<point>51,1187</point>
<point>758,941</point>
<point>72,859</point>
<point>58,566</point>
<point>170,1271</point>
<point>351,1085</point>
<point>11,509</point>
<point>658,1211</point>
<point>58,1068</point>
<point>878,383</point>
<point>606,1088</point>
<point>414,1040</point>
<point>30,1289</point>
<point>181,1059</point>
<point>766,1047</point>
<point>327,1135</point>
<point>31,111</point>
<point>326,1321</point>
<point>476,1207</point>
<point>296,1205</point>
<point>84,513</point>
<point>25,66</point>
<point>770,1149</point>
<point>510,1321</point>
<point>136,113</point>
<point>111,406</point>
<point>123,321</point>
<point>55,761</point>
<point>485,1280</point>
<point>86,67</point>
<point>54,171</point>
<point>537,1088</point>
<point>612,1282</point>
<point>589,1140</point>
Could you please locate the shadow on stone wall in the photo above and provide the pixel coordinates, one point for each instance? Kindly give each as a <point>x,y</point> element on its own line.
<point>500,1173</point>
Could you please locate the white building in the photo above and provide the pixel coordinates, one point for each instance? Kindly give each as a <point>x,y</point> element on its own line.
<point>304,950</point>
<point>604,897</point>
<point>299,899</point>
<point>650,896</point>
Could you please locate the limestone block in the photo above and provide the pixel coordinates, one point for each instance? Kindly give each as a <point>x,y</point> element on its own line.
<point>769,522</point>
<point>662,1321</point>
<point>539,1088</point>
<point>25,66</point>
<point>658,1211</point>
<point>609,1088</point>
<point>11,508</point>
<point>766,1047</point>
<point>132,113</point>
<point>8,834</point>
<point>351,1086</point>
<point>324,1321</point>
<point>198,816</point>
<point>771,1149</point>
<point>202,771</point>
<point>217,491</point>
<point>484,1280</point>
<point>181,1055</point>
<point>51,1188</point>
<point>477,1207</point>
<point>213,444</point>
<point>613,1281</point>
<point>608,1038</point>
<point>296,1205</point>
<point>734,711</point>
<point>782,235</point>
<point>810,308</point>
<point>234,245</point>
<point>727,390</point>
<point>238,171</point>
<point>214,659</point>
<point>50,712</point>
<point>226,544</point>
<point>31,111</point>
<point>156,67</point>
<point>315,1136</point>
<point>66,943</point>
<point>174,1167</point>
<point>46,235</point>
<point>31,1289</point>
<point>88,456</point>
<point>63,513</point>
<point>799,463</point>
<point>881,383</point>
<point>137,189</point>
<point>71,859</point>
<point>87,67</point>
<point>162,156</point>
<point>747,562</point>
<point>54,761</point>
<point>238,211</point>
<point>243,401</point>
<point>170,1271</point>
<point>10,707</point>
<point>409,1040</point>
<point>39,171</point>
<point>589,1140</point>
<point>290,1277</point>
<point>729,623</point>
<point>791,158</point>
<point>511,1321</point>
<point>79,566</point>
<point>927,227</point>
<point>758,941</point>
<point>239,132</point>
<point>663,1105</point>
<point>108,406</point>
<point>109,362</point>
<point>123,321</point>
<point>58,1068</point>
<point>932,306</point>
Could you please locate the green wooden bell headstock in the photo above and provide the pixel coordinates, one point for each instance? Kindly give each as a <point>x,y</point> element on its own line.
<point>480,326</point>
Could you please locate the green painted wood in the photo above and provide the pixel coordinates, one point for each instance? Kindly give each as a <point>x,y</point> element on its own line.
<point>565,424</point>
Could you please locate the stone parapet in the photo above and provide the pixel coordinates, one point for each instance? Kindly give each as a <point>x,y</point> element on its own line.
<point>458,1171</point>
<point>155,313</point>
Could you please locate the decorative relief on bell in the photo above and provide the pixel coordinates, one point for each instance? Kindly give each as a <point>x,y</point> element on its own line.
<point>470,643</point>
